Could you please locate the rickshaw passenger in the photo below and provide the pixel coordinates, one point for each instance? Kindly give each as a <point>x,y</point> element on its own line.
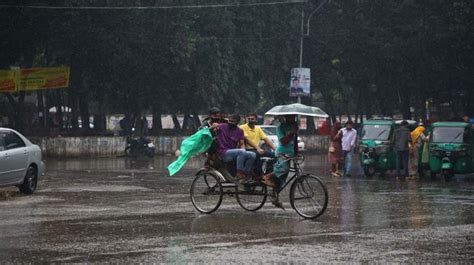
<point>231,146</point>
<point>215,116</point>
<point>253,136</point>
<point>287,133</point>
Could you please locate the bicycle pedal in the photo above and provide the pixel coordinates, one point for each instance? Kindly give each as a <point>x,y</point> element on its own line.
<point>278,204</point>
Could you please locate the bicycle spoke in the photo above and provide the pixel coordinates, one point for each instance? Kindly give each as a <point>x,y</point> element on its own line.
<point>305,191</point>
<point>206,193</point>
<point>308,196</point>
<point>252,199</point>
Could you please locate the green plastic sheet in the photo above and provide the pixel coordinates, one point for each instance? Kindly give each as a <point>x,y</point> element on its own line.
<point>194,144</point>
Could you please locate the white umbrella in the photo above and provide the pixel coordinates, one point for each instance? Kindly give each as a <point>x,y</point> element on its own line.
<point>297,109</point>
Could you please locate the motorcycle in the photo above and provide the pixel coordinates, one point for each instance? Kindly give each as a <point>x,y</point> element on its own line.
<point>138,146</point>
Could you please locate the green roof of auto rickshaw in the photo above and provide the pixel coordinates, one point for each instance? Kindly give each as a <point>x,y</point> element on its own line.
<point>450,124</point>
<point>378,122</point>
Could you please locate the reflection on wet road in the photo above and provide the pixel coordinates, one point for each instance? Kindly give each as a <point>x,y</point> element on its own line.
<point>122,210</point>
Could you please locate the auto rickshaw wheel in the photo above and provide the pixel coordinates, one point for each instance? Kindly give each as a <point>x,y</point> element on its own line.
<point>448,176</point>
<point>423,170</point>
<point>369,171</point>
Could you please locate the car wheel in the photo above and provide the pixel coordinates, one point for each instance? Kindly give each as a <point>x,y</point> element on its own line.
<point>30,182</point>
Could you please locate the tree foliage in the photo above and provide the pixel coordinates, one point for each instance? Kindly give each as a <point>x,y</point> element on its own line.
<point>367,57</point>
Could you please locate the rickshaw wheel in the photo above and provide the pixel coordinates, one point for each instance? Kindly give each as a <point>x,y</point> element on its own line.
<point>206,192</point>
<point>251,198</point>
<point>369,171</point>
<point>308,196</point>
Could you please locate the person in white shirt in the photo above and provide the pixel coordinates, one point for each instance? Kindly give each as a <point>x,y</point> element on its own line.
<point>349,136</point>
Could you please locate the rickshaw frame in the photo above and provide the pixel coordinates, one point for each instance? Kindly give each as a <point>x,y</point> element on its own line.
<point>226,184</point>
<point>449,158</point>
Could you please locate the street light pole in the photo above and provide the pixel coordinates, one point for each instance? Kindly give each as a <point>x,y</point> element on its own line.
<point>301,43</point>
<point>302,33</point>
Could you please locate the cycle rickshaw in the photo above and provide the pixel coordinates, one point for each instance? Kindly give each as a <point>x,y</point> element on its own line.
<point>308,195</point>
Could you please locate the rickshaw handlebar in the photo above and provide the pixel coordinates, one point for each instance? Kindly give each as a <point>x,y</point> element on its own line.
<point>298,158</point>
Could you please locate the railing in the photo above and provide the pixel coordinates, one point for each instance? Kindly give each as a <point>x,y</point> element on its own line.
<point>114,145</point>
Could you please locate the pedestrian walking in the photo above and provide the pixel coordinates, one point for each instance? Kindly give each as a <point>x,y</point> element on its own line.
<point>417,139</point>
<point>348,140</point>
<point>335,149</point>
<point>402,139</point>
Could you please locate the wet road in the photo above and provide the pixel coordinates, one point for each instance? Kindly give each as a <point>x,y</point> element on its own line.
<point>120,210</point>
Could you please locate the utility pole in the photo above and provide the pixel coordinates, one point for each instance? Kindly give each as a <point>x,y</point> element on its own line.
<point>302,33</point>
<point>301,43</point>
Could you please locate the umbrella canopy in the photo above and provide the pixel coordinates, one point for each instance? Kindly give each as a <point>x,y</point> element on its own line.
<point>297,109</point>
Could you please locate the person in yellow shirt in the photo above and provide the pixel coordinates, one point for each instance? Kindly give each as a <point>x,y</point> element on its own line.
<point>253,136</point>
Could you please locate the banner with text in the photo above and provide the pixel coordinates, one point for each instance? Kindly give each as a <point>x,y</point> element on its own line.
<point>44,78</point>
<point>9,80</point>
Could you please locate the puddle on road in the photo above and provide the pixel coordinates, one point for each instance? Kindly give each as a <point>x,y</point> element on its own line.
<point>113,164</point>
<point>98,188</point>
<point>28,200</point>
<point>98,206</point>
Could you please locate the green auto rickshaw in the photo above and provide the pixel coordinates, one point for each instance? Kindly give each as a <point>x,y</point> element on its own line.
<point>376,146</point>
<point>451,149</point>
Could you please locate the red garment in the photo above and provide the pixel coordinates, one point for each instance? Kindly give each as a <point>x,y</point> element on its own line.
<point>335,129</point>
<point>324,130</point>
<point>336,142</point>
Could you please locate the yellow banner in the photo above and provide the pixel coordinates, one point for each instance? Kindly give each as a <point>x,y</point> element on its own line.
<point>43,78</point>
<point>9,80</point>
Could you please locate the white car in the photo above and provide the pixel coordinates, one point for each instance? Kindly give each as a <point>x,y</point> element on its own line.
<point>270,131</point>
<point>20,161</point>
